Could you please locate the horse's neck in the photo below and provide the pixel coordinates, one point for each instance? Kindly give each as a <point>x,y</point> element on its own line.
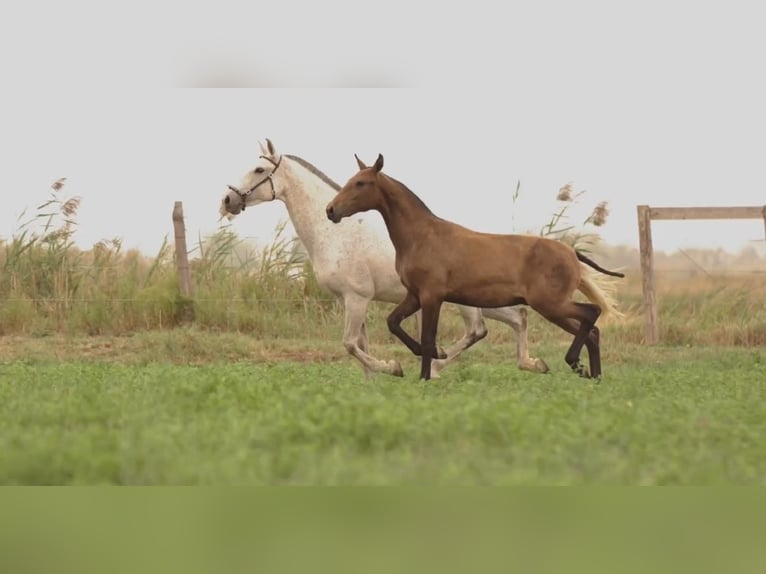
<point>405,215</point>
<point>306,197</point>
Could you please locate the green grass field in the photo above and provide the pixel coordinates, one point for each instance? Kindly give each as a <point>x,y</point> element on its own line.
<point>189,407</point>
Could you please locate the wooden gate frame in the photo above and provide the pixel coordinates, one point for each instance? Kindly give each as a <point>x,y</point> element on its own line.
<point>645,216</point>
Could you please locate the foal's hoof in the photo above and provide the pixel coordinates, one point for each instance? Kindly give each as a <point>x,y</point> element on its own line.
<point>440,353</point>
<point>396,369</point>
<point>581,370</point>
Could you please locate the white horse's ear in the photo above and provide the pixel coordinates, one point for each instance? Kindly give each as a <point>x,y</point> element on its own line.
<point>379,163</point>
<point>268,150</point>
<point>359,162</point>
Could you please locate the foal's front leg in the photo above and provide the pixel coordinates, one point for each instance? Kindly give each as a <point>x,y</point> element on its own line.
<point>428,336</point>
<point>409,305</point>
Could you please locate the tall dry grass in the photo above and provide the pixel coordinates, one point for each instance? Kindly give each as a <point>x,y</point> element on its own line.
<point>49,285</point>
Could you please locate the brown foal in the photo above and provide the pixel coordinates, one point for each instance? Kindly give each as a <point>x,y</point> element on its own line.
<point>438,261</point>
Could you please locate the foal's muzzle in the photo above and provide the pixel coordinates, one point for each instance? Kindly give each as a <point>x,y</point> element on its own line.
<point>332,215</point>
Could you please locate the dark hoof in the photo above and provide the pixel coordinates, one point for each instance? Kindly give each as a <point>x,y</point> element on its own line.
<point>581,370</point>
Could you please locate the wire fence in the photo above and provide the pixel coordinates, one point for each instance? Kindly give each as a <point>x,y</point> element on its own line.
<point>324,297</point>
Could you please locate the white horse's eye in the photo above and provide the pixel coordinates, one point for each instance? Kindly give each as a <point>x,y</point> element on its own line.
<point>259,170</point>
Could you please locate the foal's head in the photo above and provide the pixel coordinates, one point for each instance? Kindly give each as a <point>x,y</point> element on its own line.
<point>256,186</point>
<point>361,192</point>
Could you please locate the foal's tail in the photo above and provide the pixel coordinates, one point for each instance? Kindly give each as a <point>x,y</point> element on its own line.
<point>600,291</point>
<point>596,266</point>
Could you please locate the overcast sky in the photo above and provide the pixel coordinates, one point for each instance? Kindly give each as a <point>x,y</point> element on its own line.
<point>661,105</point>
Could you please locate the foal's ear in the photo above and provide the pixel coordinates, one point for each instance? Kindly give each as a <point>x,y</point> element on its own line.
<point>359,162</point>
<point>379,163</point>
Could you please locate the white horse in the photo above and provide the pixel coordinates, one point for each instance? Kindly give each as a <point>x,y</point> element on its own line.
<point>354,260</point>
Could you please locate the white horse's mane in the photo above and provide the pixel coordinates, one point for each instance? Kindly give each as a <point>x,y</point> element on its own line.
<point>313,169</point>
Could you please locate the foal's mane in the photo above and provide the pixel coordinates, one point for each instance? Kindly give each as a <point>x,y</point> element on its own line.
<point>411,193</point>
<point>321,175</point>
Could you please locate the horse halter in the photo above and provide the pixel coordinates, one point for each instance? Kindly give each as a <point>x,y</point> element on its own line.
<point>245,195</point>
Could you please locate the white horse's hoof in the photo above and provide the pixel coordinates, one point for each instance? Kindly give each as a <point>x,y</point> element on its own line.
<point>534,366</point>
<point>436,367</point>
<point>540,366</point>
<point>396,368</point>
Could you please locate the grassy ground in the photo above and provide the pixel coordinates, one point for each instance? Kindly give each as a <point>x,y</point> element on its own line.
<point>189,407</point>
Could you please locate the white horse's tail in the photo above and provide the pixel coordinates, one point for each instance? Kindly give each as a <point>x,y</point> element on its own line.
<point>600,290</point>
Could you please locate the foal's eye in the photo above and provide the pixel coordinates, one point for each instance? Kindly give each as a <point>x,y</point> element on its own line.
<point>259,170</point>
<point>359,183</point>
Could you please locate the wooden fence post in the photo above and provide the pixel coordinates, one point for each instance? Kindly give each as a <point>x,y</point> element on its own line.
<point>186,308</point>
<point>647,274</point>
<point>645,216</point>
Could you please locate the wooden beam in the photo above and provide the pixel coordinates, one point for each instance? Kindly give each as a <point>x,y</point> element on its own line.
<point>754,212</point>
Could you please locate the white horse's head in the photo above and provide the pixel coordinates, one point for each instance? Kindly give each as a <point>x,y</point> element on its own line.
<point>256,186</point>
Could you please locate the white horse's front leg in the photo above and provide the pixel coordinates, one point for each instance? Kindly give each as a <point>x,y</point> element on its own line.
<point>475,331</point>
<point>516,317</point>
<point>355,338</point>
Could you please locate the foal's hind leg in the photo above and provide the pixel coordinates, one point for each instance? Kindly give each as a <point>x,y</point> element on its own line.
<point>572,356</point>
<point>579,320</point>
<point>516,317</point>
<point>355,338</point>
<point>591,342</point>
<point>592,337</point>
